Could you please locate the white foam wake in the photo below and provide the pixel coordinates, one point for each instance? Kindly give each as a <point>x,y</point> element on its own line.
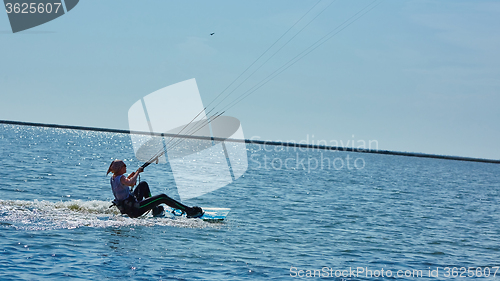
<point>46,215</point>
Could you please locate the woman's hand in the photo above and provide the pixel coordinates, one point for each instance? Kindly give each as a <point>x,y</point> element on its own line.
<point>140,170</point>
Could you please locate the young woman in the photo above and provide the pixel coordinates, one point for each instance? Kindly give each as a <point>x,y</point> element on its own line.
<point>136,203</point>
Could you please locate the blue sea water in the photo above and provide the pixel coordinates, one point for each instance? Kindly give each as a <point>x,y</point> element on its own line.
<point>294,212</point>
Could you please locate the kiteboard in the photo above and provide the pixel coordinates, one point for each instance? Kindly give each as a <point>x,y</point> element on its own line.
<point>210,213</point>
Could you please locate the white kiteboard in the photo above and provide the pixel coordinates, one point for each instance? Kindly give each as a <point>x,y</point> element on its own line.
<point>210,214</point>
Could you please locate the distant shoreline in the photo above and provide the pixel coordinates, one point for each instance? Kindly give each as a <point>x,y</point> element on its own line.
<point>274,143</point>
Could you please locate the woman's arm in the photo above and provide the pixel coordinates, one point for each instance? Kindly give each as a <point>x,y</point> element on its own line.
<point>132,178</point>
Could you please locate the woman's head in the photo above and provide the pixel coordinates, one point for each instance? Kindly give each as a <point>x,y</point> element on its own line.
<point>116,166</point>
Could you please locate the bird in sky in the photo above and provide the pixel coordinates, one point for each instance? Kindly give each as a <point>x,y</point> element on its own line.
<point>212,33</point>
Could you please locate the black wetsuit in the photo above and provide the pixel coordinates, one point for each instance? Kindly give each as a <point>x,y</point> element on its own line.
<point>142,201</point>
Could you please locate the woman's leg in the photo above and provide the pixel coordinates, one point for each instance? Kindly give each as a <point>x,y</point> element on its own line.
<point>142,191</point>
<point>151,202</point>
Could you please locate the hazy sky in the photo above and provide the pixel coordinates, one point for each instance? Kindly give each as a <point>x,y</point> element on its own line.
<point>419,76</point>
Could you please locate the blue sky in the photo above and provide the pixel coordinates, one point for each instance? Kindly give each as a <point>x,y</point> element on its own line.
<point>419,76</point>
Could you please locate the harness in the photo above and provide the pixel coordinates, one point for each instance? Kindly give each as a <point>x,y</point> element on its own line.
<point>126,206</point>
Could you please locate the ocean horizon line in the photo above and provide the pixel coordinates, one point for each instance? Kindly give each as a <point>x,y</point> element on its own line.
<point>261,142</point>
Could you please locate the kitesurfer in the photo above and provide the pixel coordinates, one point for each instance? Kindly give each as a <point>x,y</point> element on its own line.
<point>138,202</point>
